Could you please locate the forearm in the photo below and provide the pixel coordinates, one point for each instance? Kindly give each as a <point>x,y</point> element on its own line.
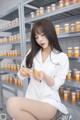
<point>49,80</point>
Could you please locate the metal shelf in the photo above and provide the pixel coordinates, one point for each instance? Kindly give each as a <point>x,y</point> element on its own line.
<point>11,85</point>
<point>15,42</point>
<point>6,57</point>
<point>76,59</point>
<point>72,10</point>
<point>68,35</point>
<point>72,83</point>
<point>10,14</point>
<point>8,71</point>
<point>10,29</point>
<point>71,106</point>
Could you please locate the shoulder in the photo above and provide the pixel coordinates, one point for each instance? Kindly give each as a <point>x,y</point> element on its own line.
<point>59,57</point>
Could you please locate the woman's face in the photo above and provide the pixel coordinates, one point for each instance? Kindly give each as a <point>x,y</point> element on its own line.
<point>42,40</point>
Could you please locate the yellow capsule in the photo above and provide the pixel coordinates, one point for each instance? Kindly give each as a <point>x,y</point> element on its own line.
<point>36,72</point>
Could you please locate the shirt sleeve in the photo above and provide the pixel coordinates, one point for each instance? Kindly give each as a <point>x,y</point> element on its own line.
<point>23,64</point>
<point>61,73</point>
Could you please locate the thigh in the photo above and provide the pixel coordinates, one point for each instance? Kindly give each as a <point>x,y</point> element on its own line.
<point>40,110</point>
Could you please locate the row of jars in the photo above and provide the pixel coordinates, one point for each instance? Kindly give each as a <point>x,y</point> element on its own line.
<point>10,23</point>
<point>66,3</point>
<point>75,75</point>
<point>12,67</point>
<point>10,39</point>
<point>68,94</point>
<point>13,80</point>
<point>10,53</point>
<point>73,52</point>
<point>53,7</point>
<point>68,28</point>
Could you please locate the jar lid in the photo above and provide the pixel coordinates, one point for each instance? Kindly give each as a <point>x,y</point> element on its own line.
<point>76,47</point>
<point>77,22</point>
<point>72,24</point>
<point>57,25</point>
<point>32,12</point>
<point>66,24</point>
<point>69,47</point>
<point>77,72</point>
<point>52,4</point>
<point>73,93</point>
<point>41,8</point>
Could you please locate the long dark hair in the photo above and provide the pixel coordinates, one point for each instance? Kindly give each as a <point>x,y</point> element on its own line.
<point>46,27</point>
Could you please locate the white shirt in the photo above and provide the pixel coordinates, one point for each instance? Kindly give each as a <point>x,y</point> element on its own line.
<point>56,66</point>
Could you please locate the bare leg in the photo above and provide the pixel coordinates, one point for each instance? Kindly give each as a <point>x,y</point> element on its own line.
<point>18,107</point>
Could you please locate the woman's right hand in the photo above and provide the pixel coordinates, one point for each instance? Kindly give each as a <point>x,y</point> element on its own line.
<point>24,72</point>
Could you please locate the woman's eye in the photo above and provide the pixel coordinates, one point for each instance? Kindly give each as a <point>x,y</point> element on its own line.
<point>36,37</point>
<point>42,35</point>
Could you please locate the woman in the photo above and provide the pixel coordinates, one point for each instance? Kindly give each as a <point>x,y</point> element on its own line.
<point>48,67</point>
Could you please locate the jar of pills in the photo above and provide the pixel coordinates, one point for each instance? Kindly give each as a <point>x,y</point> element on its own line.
<point>69,75</point>
<point>37,12</point>
<point>78,26</point>
<point>53,8</point>
<point>77,94</point>
<point>76,51</point>
<point>41,9</point>
<point>67,28</point>
<point>61,4</point>
<point>74,1</point>
<point>32,14</point>
<point>77,76</point>
<point>65,95</point>
<point>74,73</point>
<point>72,28</point>
<point>69,52</point>
<point>57,28</point>
<point>73,97</point>
<point>48,9</point>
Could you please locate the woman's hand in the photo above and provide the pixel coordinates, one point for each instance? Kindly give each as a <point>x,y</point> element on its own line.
<point>24,72</point>
<point>38,75</point>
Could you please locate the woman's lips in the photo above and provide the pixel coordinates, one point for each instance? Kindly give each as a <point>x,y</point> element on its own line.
<point>42,44</point>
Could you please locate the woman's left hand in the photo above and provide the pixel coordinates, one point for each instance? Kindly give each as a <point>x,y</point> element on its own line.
<point>38,75</point>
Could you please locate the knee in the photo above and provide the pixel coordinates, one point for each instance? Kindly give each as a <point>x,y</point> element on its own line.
<point>11,105</point>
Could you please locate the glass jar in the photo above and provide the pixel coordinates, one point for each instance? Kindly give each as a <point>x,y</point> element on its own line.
<point>32,14</point>
<point>72,29</point>
<point>76,51</point>
<point>77,76</point>
<point>69,75</point>
<point>69,52</point>
<point>65,95</point>
<point>74,73</point>
<point>74,1</point>
<point>37,12</point>
<point>77,94</point>
<point>57,28</point>
<point>53,7</point>
<point>66,28</point>
<point>61,4</point>
<point>61,90</point>
<point>68,91</point>
<point>41,9</point>
<point>48,9</point>
<point>78,26</point>
<point>73,97</point>
<point>67,4</point>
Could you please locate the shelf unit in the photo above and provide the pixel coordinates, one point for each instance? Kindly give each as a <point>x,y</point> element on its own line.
<point>73,11</point>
